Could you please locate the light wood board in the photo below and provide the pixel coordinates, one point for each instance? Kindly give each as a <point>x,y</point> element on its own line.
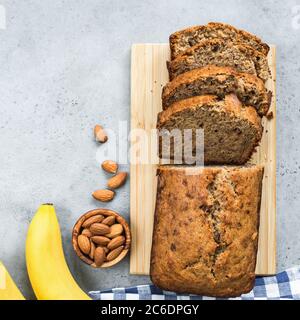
<point>148,76</point>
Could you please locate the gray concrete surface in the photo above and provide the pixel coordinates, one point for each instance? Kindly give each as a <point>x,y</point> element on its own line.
<point>65,66</point>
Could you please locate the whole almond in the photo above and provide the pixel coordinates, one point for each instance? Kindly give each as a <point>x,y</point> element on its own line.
<point>114,253</point>
<point>109,166</point>
<point>116,242</point>
<point>84,244</point>
<point>91,220</point>
<point>117,181</point>
<point>109,220</point>
<point>99,229</point>
<point>100,134</point>
<point>103,195</point>
<point>86,232</point>
<point>92,251</point>
<point>115,230</point>
<point>101,240</point>
<point>99,256</point>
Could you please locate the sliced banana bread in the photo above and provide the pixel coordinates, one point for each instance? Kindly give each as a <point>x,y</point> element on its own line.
<point>231,131</point>
<point>181,41</point>
<point>206,225</point>
<point>223,54</point>
<point>218,81</point>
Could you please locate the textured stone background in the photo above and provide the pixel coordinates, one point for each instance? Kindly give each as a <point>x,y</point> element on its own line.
<point>65,66</point>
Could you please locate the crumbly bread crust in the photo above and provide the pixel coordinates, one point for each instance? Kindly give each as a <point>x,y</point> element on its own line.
<point>182,40</point>
<point>223,54</point>
<point>231,131</point>
<point>218,81</point>
<point>206,225</point>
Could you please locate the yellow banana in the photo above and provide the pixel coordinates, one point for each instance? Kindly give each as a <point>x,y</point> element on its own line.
<point>48,271</point>
<point>8,289</point>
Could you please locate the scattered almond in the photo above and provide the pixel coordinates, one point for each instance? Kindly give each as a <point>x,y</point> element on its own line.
<point>101,240</point>
<point>91,220</point>
<point>100,134</point>
<point>116,242</point>
<point>84,244</point>
<point>86,232</point>
<point>109,166</point>
<point>117,181</point>
<point>103,195</point>
<point>99,229</point>
<point>114,253</point>
<point>115,230</point>
<point>92,251</point>
<point>99,256</point>
<point>109,220</point>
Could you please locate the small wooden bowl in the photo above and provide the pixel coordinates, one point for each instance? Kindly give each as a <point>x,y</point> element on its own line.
<point>77,230</point>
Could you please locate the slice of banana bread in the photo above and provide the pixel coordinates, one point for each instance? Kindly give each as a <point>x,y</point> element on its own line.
<point>218,81</point>
<point>223,54</point>
<point>206,225</point>
<point>231,131</point>
<point>182,40</point>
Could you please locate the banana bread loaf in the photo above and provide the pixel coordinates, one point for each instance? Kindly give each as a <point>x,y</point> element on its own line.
<point>205,234</point>
<point>182,40</point>
<point>218,81</point>
<point>231,131</point>
<point>223,54</point>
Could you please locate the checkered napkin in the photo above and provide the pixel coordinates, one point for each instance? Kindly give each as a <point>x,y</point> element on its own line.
<point>283,286</point>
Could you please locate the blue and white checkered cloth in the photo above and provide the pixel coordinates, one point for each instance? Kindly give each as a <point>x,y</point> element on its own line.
<point>283,286</point>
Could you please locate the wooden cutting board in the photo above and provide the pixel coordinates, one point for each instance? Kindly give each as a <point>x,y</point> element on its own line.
<point>148,76</point>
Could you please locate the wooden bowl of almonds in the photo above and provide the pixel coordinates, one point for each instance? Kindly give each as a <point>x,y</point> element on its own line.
<point>101,238</point>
